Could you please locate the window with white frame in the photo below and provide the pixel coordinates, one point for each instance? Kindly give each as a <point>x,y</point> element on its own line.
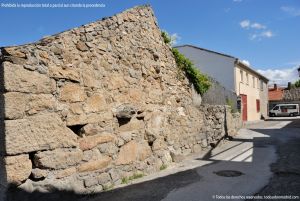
<point>261,85</point>
<point>253,78</point>
<point>247,78</point>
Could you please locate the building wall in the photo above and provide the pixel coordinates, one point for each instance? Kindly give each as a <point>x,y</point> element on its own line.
<point>215,65</point>
<point>264,100</point>
<point>219,95</point>
<point>253,91</point>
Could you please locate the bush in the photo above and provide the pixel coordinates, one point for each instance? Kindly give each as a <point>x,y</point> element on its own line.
<point>166,37</point>
<point>230,103</point>
<point>297,84</point>
<point>200,81</point>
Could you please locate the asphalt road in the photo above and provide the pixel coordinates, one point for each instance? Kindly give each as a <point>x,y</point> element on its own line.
<point>265,154</point>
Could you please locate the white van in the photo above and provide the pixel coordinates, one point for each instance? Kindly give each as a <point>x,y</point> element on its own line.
<point>284,110</point>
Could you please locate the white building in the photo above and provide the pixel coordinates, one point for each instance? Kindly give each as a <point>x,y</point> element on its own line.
<point>234,75</point>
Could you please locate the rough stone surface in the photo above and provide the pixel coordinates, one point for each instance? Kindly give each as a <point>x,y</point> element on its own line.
<point>102,101</point>
<point>41,102</point>
<point>91,129</point>
<point>36,133</point>
<point>60,73</point>
<point>58,158</point>
<point>18,168</point>
<point>72,93</point>
<point>90,142</point>
<point>291,94</point>
<point>133,151</point>
<point>15,105</point>
<point>26,81</point>
<point>94,165</point>
<point>39,173</point>
<point>103,178</point>
<point>66,172</point>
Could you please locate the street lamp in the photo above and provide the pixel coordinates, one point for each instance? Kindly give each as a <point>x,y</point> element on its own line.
<point>299,71</point>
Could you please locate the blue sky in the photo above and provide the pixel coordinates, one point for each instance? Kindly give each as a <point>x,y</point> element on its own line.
<point>264,33</point>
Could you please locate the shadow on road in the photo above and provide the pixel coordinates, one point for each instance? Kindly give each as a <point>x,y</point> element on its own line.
<point>146,191</point>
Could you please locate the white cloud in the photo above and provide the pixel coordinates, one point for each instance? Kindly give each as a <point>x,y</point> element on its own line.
<point>246,62</point>
<point>258,26</point>
<point>267,34</point>
<point>291,10</point>
<point>281,76</point>
<point>245,24</point>
<point>253,36</point>
<point>175,38</point>
<point>256,30</point>
<point>237,1</point>
<point>260,36</point>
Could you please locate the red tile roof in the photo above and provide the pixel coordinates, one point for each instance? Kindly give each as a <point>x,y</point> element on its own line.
<point>276,94</point>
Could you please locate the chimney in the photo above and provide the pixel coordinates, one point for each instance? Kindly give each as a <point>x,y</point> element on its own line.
<point>275,87</point>
<point>289,85</point>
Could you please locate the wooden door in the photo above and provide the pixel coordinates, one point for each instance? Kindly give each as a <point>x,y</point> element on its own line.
<point>244,107</point>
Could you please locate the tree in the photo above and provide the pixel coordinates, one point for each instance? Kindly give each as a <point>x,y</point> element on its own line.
<point>297,84</point>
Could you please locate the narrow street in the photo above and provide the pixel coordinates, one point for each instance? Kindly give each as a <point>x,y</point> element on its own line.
<point>263,159</point>
<point>252,153</point>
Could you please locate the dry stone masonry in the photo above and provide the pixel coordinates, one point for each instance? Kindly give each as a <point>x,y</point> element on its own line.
<point>87,107</point>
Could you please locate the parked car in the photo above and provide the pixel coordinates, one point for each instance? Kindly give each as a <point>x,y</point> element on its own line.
<point>284,110</point>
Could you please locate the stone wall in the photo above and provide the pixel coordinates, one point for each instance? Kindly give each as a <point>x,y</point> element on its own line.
<point>291,94</point>
<point>87,107</point>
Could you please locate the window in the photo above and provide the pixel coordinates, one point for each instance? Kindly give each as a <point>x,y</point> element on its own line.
<point>261,85</point>
<point>253,78</point>
<point>257,105</point>
<point>247,78</point>
<point>276,108</point>
<point>288,107</point>
<point>242,76</point>
<point>257,83</point>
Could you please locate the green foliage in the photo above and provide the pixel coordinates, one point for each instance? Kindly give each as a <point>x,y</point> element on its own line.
<point>136,176</point>
<point>107,188</point>
<point>297,84</point>
<point>125,180</point>
<point>166,37</point>
<point>163,167</point>
<point>200,81</point>
<point>230,103</point>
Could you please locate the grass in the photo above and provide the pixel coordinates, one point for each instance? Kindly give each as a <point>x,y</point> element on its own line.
<point>125,180</point>
<point>107,188</point>
<point>163,167</point>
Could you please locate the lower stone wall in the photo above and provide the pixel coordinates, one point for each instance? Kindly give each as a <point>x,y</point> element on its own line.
<point>291,94</point>
<point>144,143</point>
<point>233,122</point>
